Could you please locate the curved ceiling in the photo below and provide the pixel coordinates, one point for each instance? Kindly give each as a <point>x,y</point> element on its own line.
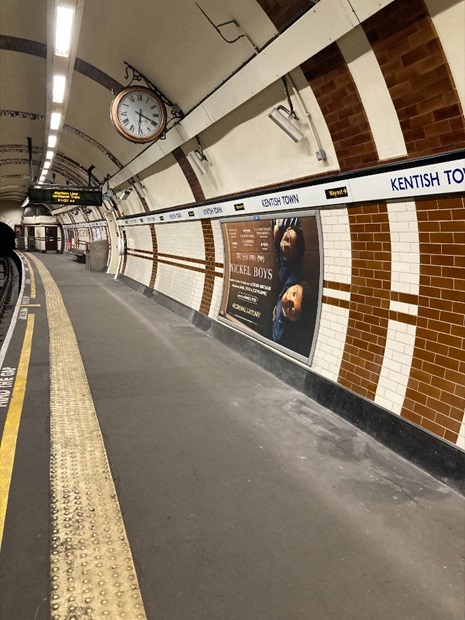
<point>173,43</point>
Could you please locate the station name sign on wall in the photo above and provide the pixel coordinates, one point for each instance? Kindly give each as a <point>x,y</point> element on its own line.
<point>401,183</point>
<point>65,196</point>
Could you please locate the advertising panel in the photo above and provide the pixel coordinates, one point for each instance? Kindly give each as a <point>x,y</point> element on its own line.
<point>272,279</point>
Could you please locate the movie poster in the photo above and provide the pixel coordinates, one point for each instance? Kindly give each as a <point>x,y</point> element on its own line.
<point>272,279</point>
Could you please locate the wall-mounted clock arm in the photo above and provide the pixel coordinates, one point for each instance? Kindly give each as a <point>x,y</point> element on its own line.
<point>174,112</point>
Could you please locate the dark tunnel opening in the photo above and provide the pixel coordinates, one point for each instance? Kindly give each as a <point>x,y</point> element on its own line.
<point>7,240</point>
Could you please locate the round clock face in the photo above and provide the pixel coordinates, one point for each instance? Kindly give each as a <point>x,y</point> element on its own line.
<point>138,114</point>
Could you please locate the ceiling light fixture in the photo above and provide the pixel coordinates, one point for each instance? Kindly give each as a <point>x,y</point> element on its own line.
<point>49,155</point>
<point>63,30</point>
<point>59,87</point>
<point>55,120</point>
<point>52,141</point>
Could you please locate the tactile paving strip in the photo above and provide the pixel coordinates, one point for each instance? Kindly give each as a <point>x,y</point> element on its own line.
<point>91,566</point>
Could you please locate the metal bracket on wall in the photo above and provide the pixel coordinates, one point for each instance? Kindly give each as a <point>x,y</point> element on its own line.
<point>174,112</point>
<point>218,27</point>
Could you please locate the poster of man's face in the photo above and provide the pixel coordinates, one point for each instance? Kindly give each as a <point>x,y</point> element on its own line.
<point>272,279</point>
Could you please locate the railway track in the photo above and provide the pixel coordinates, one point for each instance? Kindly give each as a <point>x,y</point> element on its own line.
<point>9,290</point>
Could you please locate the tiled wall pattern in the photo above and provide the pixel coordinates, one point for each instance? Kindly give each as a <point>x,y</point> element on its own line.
<point>461,437</point>
<point>332,332</point>
<point>435,396</point>
<point>391,326</point>
<point>396,365</point>
<point>209,282</point>
<point>405,279</point>
<point>405,249</point>
<point>416,72</point>
<point>369,299</point>
<point>339,100</point>
<point>153,275</point>
<point>336,293</point>
<point>140,260</point>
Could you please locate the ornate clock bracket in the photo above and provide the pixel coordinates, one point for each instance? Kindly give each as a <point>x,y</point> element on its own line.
<point>174,112</point>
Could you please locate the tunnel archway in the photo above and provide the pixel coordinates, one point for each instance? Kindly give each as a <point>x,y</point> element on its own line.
<point>7,239</point>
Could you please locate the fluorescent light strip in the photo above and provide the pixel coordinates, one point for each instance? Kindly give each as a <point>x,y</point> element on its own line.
<point>59,86</point>
<point>63,30</point>
<point>55,120</point>
<point>49,155</point>
<point>52,141</point>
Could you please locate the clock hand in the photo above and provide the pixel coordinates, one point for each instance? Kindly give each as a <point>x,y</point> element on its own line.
<point>146,117</point>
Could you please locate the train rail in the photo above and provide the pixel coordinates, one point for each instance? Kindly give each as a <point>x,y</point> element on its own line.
<point>9,291</point>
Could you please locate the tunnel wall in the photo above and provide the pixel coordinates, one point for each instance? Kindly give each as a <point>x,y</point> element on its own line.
<point>78,234</point>
<point>390,330</point>
<point>391,322</point>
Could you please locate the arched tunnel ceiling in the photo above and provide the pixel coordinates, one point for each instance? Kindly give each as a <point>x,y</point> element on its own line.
<point>171,42</point>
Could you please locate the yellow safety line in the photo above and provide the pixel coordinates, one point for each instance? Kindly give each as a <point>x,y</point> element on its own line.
<point>31,277</point>
<point>13,419</point>
<point>91,566</point>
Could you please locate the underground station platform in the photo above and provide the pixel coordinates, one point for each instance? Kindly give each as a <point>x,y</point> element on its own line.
<point>148,471</point>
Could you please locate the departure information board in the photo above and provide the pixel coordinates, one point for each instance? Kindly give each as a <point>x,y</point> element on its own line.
<point>65,196</point>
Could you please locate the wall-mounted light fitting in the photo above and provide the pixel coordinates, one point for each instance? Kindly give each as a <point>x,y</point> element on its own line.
<point>125,194</point>
<point>197,158</point>
<point>282,117</point>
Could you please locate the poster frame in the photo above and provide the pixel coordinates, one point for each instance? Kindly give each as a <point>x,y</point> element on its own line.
<point>307,361</point>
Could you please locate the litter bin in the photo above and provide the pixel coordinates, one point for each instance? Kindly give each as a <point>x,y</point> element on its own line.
<point>97,255</point>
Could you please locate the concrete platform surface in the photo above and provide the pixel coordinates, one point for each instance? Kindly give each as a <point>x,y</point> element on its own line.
<point>242,498</point>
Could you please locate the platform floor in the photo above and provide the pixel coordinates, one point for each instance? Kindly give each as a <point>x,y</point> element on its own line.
<point>241,498</point>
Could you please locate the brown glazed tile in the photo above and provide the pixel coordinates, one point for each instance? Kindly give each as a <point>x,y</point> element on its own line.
<point>209,267</point>
<point>415,69</point>
<point>413,417</point>
<point>153,275</point>
<point>283,12</point>
<point>340,103</point>
<point>433,427</point>
<point>368,320</point>
<point>440,336</point>
<point>450,436</point>
<point>191,178</point>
